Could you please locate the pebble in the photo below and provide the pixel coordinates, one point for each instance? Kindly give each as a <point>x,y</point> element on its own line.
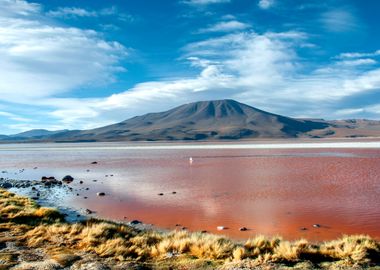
<point>100,194</point>
<point>220,228</point>
<point>243,229</point>
<point>94,162</point>
<point>135,222</point>
<point>160,194</point>
<point>316,225</point>
<point>6,185</point>
<point>67,179</point>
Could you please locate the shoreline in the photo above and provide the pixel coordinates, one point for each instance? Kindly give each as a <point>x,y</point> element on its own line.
<point>119,244</point>
<point>367,142</point>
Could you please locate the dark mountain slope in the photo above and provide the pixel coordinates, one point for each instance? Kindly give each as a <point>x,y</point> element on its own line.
<point>220,119</point>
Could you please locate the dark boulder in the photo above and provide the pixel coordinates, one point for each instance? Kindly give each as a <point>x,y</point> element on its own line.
<point>67,179</point>
<point>6,185</point>
<point>135,222</point>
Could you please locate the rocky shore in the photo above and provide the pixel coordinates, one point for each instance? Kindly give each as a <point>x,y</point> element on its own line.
<point>51,192</point>
<point>48,191</point>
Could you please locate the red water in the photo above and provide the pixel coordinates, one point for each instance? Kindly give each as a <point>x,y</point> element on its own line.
<point>271,192</point>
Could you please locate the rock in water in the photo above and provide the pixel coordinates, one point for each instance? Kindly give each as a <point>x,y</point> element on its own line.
<point>67,179</point>
<point>135,222</point>
<point>6,185</point>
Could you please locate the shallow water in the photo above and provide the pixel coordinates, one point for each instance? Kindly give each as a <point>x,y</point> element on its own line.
<point>270,190</point>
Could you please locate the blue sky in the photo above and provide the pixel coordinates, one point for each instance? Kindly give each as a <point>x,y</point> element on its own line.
<point>83,64</point>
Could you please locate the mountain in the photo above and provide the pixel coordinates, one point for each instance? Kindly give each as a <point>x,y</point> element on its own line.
<point>211,120</point>
<point>220,119</point>
<point>36,133</point>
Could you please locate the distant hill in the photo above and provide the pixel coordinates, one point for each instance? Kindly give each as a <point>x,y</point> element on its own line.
<point>36,133</point>
<point>210,120</point>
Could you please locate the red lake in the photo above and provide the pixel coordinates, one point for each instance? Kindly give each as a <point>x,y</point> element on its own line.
<point>269,190</point>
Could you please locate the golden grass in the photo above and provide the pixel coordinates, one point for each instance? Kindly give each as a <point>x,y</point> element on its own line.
<point>178,248</point>
<point>23,210</point>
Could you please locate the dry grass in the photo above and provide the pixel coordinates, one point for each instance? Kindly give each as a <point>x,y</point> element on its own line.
<point>23,210</point>
<point>176,249</point>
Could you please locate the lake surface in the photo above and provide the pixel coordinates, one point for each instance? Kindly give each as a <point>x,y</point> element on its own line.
<point>272,189</point>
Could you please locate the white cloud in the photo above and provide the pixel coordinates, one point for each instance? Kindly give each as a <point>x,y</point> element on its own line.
<point>72,12</point>
<point>39,59</point>
<point>358,55</point>
<point>339,20</point>
<point>357,62</point>
<point>11,8</point>
<point>205,2</point>
<point>76,12</point>
<point>13,116</point>
<point>265,4</point>
<point>348,112</point>
<point>228,17</point>
<point>228,26</point>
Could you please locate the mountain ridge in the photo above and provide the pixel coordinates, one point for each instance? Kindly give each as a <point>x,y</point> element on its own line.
<point>213,120</point>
